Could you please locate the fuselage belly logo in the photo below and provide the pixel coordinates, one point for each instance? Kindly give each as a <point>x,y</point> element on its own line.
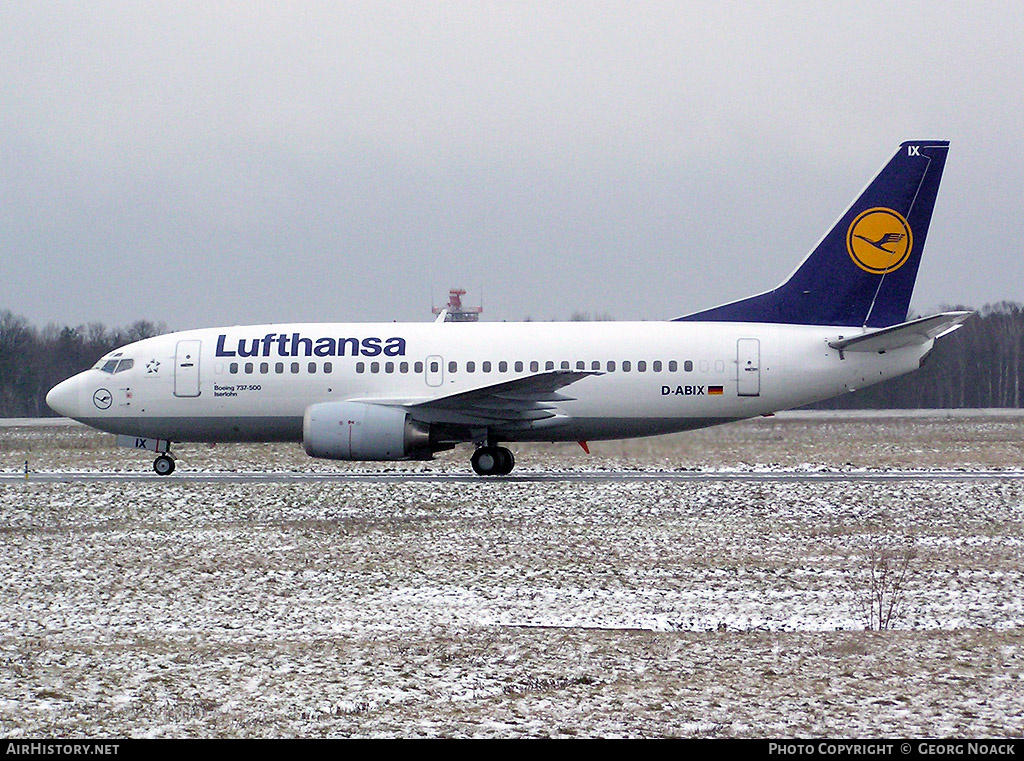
<point>879,240</point>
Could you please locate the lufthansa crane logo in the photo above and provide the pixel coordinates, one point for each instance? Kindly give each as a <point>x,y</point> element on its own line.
<point>879,240</point>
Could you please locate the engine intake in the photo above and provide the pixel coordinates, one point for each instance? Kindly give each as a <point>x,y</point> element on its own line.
<point>358,431</point>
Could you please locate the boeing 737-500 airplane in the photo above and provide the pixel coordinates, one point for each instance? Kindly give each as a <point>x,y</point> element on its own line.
<point>390,391</point>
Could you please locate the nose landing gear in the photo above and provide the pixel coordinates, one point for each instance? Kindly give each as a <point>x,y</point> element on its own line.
<point>492,461</point>
<point>164,465</point>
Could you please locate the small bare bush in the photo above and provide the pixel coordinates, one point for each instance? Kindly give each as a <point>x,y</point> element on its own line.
<point>885,598</point>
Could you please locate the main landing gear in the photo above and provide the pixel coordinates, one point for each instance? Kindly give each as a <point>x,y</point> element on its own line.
<point>492,461</point>
<point>164,465</point>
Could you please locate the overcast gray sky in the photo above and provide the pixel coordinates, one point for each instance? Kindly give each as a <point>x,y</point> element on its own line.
<point>216,163</point>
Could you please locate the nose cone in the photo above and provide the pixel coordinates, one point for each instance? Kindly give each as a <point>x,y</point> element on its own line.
<point>63,398</point>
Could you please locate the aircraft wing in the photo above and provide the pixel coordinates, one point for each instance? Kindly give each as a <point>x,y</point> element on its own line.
<point>515,403</point>
<point>916,331</point>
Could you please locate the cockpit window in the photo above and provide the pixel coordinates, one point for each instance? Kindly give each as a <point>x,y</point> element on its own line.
<point>115,365</point>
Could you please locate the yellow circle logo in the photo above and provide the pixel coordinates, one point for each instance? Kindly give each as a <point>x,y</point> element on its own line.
<point>879,240</point>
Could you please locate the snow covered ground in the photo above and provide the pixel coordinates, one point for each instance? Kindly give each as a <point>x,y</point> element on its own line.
<point>496,609</point>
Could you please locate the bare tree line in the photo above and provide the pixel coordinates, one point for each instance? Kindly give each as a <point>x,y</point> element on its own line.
<point>977,366</point>
<point>32,361</point>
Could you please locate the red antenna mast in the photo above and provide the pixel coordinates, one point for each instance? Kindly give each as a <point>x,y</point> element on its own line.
<point>456,311</point>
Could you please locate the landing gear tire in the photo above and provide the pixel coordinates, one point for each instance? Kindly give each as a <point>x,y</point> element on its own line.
<point>509,461</point>
<point>163,465</point>
<point>493,461</point>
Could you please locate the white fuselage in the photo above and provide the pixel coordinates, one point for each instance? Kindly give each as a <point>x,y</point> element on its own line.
<point>254,383</point>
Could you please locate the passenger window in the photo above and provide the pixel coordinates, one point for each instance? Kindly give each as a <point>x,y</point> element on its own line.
<point>360,367</point>
<point>375,367</point>
<point>673,366</point>
<point>534,366</point>
<point>311,368</point>
<point>581,365</point>
<point>295,367</point>
<point>595,365</point>
<point>519,367</point>
<point>328,367</point>
<point>389,367</point>
<point>486,367</point>
<point>264,367</point>
<point>626,366</point>
<point>403,367</point>
<point>434,367</point>
<point>248,368</point>
<point>565,364</point>
<point>279,368</point>
<point>656,366</point>
<point>688,366</point>
<point>641,366</point>
<point>233,368</point>
<point>453,367</point>
<point>549,365</point>
<point>610,367</point>
<point>470,367</point>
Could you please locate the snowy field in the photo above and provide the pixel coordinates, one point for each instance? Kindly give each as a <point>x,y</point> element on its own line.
<point>180,608</point>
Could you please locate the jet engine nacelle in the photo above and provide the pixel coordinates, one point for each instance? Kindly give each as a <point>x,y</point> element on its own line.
<point>357,431</point>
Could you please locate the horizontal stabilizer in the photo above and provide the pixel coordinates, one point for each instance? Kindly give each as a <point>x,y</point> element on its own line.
<point>911,333</point>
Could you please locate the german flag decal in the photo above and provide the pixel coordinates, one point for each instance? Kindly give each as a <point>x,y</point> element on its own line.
<point>714,390</point>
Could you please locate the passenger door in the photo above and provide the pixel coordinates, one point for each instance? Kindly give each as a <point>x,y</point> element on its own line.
<point>748,367</point>
<point>186,368</point>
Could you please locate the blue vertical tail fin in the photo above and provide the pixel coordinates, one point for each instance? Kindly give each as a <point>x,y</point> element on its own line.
<point>863,271</point>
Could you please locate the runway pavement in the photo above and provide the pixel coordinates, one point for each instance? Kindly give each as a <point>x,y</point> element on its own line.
<point>566,476</point>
